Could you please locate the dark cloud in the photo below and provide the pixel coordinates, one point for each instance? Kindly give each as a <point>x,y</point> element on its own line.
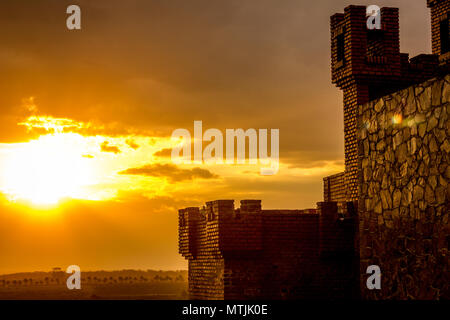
<point>159,65</point>
<point>105,147</point>
<point>171,172</point>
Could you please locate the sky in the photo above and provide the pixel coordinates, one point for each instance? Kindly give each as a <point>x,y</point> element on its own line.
<point>87,115</point>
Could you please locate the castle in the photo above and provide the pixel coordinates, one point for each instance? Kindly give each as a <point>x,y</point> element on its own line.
<point>389,207</point>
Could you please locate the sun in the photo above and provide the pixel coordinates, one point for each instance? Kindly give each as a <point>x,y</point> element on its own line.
<point>48,169</point>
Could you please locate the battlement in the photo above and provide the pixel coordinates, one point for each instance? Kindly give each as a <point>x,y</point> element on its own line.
<point>359,53</point>
<point>221,242</point>
<point>373,56</point>
<point>218,229</point>
<point>440,29</point>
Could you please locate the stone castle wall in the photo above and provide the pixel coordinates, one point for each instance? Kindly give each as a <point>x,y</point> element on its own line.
<point>404,150</point>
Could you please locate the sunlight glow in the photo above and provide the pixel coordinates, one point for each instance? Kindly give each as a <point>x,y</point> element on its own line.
<point>48,169</point>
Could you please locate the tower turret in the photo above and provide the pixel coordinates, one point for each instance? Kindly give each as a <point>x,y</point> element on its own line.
<point>440,30</point>
<point>367,64</point>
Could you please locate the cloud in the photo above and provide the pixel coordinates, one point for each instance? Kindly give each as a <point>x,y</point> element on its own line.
<point>40,123</point>
<point>105,147</point>
<point>164,153</point>
<point>171,172</point>
<point>132,144</point>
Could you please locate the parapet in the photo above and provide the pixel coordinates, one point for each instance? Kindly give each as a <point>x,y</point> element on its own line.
<point>440,29</point>
<point>250,206</point>
<point>219,230</point>
<point>188,221</point>
<point>373,57</point>
<point>358,53</point>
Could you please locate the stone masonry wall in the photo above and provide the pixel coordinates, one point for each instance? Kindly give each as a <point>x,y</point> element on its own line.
<point>403,146</point>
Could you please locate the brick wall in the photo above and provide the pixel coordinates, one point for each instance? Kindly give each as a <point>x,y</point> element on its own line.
<point>334,187</point>
<point>404,192</point>
<point>440,10</point>
<point>250,253</point>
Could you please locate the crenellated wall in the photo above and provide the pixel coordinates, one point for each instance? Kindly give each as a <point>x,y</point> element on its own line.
<point>404,150</point>
<point>440,10</point>
<point>250,253</point>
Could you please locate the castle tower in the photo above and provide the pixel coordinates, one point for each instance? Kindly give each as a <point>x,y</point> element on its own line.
<point>367,64</point>
<point>362,61</point>
<point>440,31</point>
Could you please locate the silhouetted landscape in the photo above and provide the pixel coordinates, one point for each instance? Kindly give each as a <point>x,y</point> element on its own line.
<point>123,284</point>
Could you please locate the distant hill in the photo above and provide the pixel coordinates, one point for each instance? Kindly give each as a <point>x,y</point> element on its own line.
<point>119,284</point>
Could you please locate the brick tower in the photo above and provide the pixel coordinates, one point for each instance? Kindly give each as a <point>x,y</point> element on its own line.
<point>367,64</point>
<point>440,31</point>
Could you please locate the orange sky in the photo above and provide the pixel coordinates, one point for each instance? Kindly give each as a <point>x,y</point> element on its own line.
<point>80,108</point>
